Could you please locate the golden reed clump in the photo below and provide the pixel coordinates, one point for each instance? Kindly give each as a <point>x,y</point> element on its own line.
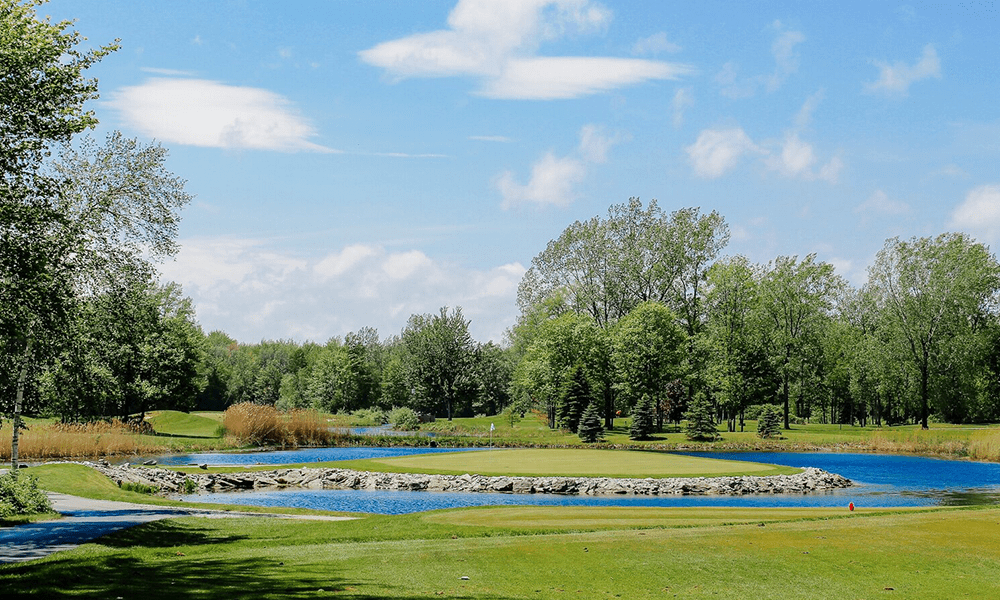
<point>77,440</point>
<point>252,424</point>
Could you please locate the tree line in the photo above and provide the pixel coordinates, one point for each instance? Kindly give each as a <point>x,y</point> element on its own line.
<point>635,313</point>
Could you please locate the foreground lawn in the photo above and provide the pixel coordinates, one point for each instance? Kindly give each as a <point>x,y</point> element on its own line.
<point>538,553</point>
<point>567,463</point>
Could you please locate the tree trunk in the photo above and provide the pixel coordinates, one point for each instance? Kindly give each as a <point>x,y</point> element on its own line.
<point>18,400</point>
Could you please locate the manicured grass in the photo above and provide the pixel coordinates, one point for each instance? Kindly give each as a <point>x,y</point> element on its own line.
<point>691,553</point>
<point>175,423</point>
<point>568,463</point>
<point>79,480</point>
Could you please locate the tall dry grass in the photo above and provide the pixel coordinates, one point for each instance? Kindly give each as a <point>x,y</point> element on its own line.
<point>258,425</point>
<point>77,440</point>
<point>985,445</point>
<point>933,441</point>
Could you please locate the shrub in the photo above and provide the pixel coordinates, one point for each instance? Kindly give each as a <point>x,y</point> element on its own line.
<point>769,422</point>
<point>591,429</point>
<point>643,419</point>
<point>190,486</point>
<point>369,417</point>
<point>253,424</point>
<point>139,488</point>
<point>19,495</point>
<point>404,419</point>
<point>700,422</point>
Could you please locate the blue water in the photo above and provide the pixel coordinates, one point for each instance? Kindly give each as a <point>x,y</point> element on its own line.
<point>880,480</point>
<point>289,457</point>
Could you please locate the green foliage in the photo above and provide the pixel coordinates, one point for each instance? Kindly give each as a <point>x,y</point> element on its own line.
<point>19,495</point>
<point>591,430</point>
<point>369,417</point>
<point>404,419</point>
<point>142,488</point>
<point>575,397</point>
<point>647,354</point>
<point>700,421</point>
<point>190,486</point>
<point>769,422</point>
<point>439,360</point>
<point>643,419</point>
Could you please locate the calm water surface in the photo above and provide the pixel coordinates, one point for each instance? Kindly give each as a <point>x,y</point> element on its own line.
<point>880,480</point>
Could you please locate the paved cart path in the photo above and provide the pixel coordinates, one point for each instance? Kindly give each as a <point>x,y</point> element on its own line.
<point>85,519</point>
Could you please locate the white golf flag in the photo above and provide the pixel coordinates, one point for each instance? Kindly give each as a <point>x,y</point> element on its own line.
<point>492,427</point>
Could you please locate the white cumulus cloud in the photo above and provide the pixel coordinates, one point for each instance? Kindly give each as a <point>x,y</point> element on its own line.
<point>554,179</point>
<point>497,42</point>
<point>896,79</point>
<point>719,150</point>
<point>199,112</point>
<point>979,214</point>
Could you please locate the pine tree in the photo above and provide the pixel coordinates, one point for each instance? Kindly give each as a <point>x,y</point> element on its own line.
<point>643,419</point>
<point>700,422</point>
<point>591,429</point>
<point>769,422</point>
<point>575,397</point>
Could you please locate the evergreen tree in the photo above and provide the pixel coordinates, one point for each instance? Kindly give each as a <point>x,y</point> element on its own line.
<point>576,396</point>
<point>591,429</point>
<point>643,419</point>
<point>769,422</point>
<point>700,422</point>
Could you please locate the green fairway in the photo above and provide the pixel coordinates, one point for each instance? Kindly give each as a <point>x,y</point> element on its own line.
<point>175,423</point>
<point>567,463</point>
<point>491,554</point>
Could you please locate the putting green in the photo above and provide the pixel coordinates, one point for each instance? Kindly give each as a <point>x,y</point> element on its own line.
<point>571,463</point>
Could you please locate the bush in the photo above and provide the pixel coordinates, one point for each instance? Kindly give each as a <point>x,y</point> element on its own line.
<point>769,422</point>
<point>643,419</point>
<point>369,417</point>
<point>404,419</point>
<point>139,488</point>
<point>19,495</point>
<point>700,423</point>
<point>591,429</point>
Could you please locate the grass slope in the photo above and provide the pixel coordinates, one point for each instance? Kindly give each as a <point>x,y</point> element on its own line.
<point>876,554</point>
<point>567,463</point>
<point>180,424</point>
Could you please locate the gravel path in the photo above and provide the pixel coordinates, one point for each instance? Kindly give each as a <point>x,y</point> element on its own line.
<point>85,520</point>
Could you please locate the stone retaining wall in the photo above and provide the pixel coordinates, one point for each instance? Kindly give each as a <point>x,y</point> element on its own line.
<point>810,480</point>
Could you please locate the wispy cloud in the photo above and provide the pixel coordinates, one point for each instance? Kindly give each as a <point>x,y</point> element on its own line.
<point>497,43</point>
<point>655,44</point>
<point>880,204</point>
<point>167,72</point>
<point>490,138</point>
<point>979,214</point>
<point>199,112</point>
<point>683,100</point>
<point>554,179</point>
<point>253,290</point>
<point>896,79</point>
<point>784,50</point>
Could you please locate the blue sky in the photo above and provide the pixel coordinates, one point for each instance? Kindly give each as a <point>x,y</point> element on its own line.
<point>356,162</point>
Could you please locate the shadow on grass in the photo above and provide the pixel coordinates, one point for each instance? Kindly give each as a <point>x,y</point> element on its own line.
<point>167,560</point>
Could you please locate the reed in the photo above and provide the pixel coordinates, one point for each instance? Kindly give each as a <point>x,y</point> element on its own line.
<point>256,424</point>
<point>76,440</point>
<point>985,445</point>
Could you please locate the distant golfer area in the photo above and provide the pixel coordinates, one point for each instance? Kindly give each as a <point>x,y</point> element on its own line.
<point>567,463</point>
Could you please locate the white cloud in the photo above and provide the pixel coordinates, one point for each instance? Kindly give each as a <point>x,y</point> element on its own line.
<point>554,179</point>
<point>896,79</point>
<point>831,171</point>
<point>979,214</point>
<point>254,291</point>
<point>732,85</point>
<point>796,157</point>
<point>804,116</point>
<point>719,150</point>
<point>490,138</point>
<point>197,41</point>
<point>199,112</point>
<point>497,43</point>
<point>786,59</point>
<point>879,203</point>
<point>169,72</point>
<point>654,45</point>
<point>683,100</point>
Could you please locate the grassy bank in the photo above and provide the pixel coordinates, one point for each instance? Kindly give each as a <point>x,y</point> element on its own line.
<point>581,462</point>
<point>533,552</point>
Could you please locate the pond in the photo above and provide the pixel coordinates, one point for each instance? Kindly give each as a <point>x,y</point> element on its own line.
<point>880,480</point>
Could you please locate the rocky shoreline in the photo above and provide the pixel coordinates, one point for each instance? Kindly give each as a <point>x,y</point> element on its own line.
<point>173,482</point>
